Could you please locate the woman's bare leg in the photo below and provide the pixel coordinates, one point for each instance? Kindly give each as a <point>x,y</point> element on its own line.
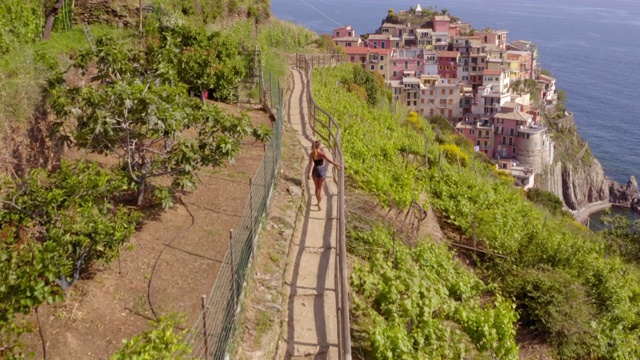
<point>318,188</point>
<point>319,191</point>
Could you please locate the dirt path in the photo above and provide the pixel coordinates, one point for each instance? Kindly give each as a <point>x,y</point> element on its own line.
<point>289,307</point>
<point>167,266</point>
<point>310,280</point>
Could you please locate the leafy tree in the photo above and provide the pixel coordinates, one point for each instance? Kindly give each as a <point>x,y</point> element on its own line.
<point>52,12</point>
<point>368,81</point>
<point>199,60</point>
<point>52,227</point>
<point>140,112</point>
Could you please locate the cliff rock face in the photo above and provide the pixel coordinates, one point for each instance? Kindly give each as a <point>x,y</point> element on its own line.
<point>624,195</point>
<point>577,185</point>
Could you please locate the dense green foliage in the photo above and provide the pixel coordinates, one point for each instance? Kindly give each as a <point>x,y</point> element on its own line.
<point>622,237</point>
<point>568,290</point>
<point>198,59</point>
<point>21,22</point>
<point>415,303</point>
<point>137,107</point>
<point>53,227</point>
<point>548,200</point>
<point>162,341</point>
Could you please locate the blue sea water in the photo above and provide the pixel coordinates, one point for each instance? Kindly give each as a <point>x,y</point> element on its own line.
<point>592,48</point>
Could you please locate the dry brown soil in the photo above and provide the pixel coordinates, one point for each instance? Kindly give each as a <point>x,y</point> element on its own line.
<point>167,266</point>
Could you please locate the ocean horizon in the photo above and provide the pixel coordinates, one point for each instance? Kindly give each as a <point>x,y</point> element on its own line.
<point>589,46</point>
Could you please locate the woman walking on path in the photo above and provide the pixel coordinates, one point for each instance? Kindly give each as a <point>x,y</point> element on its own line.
<point>318,168</point>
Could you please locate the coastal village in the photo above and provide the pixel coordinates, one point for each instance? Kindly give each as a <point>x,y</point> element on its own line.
<point>489,89</point>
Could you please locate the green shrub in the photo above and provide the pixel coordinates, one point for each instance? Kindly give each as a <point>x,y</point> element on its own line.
<point>453,154</point>
<point>160,342</point>
<point>551,303</point>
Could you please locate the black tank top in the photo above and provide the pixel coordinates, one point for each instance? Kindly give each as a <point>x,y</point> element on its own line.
<point>318,162</point>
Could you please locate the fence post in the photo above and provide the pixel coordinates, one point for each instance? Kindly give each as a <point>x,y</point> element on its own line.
<point>270,92</point>
<point>251,230</point>
<point>204,326</point>
<point>233,270</point>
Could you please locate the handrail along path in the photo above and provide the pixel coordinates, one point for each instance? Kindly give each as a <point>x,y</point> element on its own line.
<point>333,139</point>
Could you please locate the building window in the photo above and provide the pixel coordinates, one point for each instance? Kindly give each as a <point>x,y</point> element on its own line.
<point>337,33</point>
<point>382,45</point>
<point>430,92</point>
<point>450,91</point>
<point>443,91</point>
<point>373,67</point>
<point>394,73</point>
<point>381,67</point>
<point>472,131</point>
<point>375,44</point>
<point>430,112</point>
<point>406,65</point>
<point>450,113</point>
<point>382,56</point>
<point>510,141</point>
<point>415,103</point>
<point>408,103</point>
<point>485,144</point>
<point>440,67</point>
<point>443,102</point>
<point>511,132</point>
<point>478,142</point>
<point>514,150</point>
<point>421,101</point>
<point>348,44</point>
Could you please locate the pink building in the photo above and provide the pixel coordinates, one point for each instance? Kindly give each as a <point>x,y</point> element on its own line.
<point>345,31</point>
<point>379,41</point>
<point>506,131</point>
<point>441,23</point>
<point>406,60</point>
<point>493,37</point>
<point>448,64</point>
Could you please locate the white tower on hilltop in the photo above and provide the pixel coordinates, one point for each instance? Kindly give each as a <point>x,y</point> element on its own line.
<point>418,8</point>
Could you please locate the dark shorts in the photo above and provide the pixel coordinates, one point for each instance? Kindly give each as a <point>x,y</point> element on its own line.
<point>319,172</point>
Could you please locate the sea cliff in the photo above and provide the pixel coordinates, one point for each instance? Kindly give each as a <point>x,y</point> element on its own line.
<point>576,176</point>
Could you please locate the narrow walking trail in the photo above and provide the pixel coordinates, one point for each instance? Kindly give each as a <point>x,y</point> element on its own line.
<point>311,330</point>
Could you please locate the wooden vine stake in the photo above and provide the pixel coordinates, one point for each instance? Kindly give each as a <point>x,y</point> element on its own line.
<point>426,154</point>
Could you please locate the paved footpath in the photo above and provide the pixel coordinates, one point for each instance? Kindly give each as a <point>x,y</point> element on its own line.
<point>311,330</point>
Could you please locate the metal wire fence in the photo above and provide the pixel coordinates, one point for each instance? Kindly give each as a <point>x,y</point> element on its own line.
<point>210,336</point>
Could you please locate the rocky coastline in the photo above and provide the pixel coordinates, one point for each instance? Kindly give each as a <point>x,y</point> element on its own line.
<point>579,180</point>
